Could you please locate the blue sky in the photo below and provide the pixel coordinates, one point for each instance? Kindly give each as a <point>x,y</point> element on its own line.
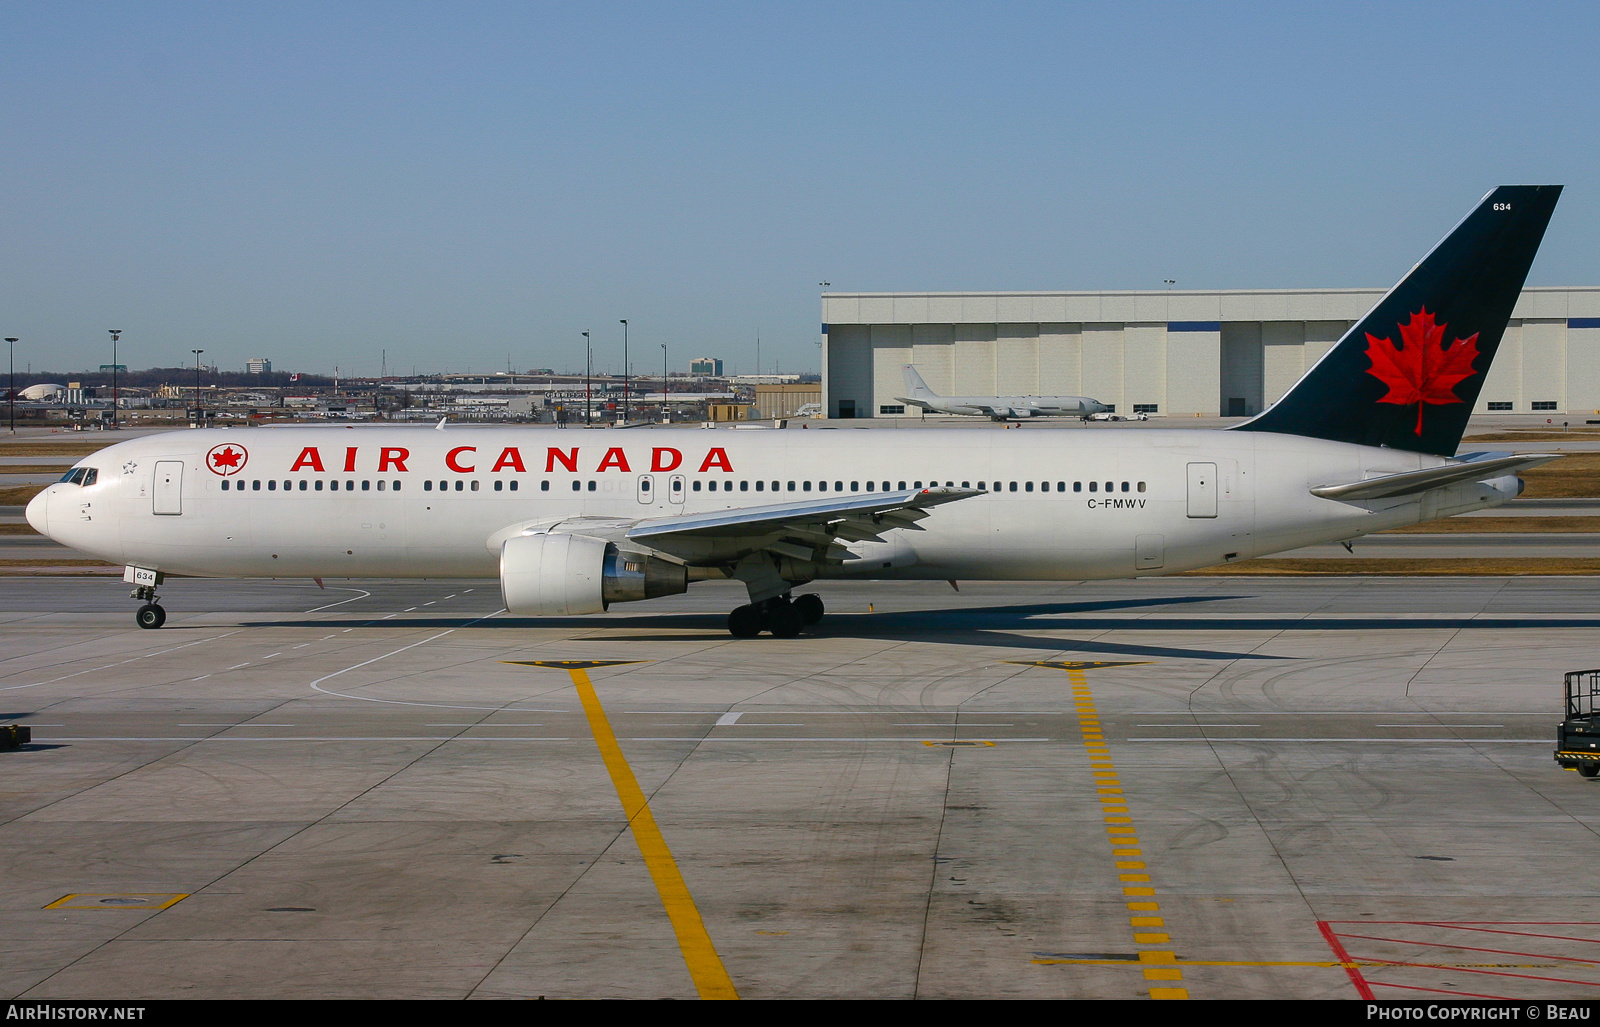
<point>457,183</point>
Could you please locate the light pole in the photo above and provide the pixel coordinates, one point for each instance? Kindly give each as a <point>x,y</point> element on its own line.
<point>116,333</point>
<point>12,345</point>
<point>588,372</point>
<point>665,416</point>
<point>199,410</point>
<point>624,370</point>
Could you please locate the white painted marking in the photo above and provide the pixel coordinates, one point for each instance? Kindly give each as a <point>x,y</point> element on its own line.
<point>316,685</point>
<point>728,719</point>
<point>200,678</point>
<point>409,609</point>
<point>271,655</point>
<point>484,725</point>
<point>879,738</point>
<point>1204,725</point>
<point>389,616</point>
<point>1398,741</point>
<point>1436,724</point>
<point>303,738</point>
<point>302,645</point>
<point>135,659</point>
<point>238,666</point>
<point>949,723</point>
<point>364,594</point>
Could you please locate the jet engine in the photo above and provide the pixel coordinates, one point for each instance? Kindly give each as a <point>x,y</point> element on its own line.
<point>562,575</point>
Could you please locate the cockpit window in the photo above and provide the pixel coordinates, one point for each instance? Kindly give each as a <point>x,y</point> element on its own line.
<point>81,476</point>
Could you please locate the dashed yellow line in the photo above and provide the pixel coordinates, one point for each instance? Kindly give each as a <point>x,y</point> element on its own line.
<point>699,954</point>
<point>1137,888</point>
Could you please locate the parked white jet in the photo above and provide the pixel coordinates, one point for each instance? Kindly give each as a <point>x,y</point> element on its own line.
<point>572,521</point>
<point>999,408</point>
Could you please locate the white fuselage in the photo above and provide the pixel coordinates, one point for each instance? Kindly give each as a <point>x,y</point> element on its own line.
<point>1002,407</point>
<point>420,502</point>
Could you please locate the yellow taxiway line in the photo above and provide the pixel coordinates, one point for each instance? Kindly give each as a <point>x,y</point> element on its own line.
<point>699,954</point>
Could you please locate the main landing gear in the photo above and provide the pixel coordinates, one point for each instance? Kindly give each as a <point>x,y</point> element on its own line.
<point>150,615</point>
<point>782,616</point>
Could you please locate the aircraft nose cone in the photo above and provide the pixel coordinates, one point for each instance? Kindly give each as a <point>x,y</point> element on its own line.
<point>39,512</point>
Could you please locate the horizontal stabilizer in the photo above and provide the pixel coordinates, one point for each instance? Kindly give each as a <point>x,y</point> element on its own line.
<point>1490,465</point>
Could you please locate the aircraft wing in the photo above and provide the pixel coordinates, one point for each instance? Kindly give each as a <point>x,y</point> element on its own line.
<point>1472,467</point>
<point>806,530</point>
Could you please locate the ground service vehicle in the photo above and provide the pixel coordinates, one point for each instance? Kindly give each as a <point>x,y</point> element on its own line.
<point>1578,736</point>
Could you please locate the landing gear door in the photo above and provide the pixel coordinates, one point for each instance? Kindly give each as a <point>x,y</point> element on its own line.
<point>675,487</point>
<point>1202,490</point>
<point>647,488</point>
<point>169,487</point>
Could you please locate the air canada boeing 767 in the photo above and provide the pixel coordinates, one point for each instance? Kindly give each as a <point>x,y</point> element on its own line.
<point>573,521</point>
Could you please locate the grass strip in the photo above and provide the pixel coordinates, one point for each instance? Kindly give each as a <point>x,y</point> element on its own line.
<point>34,468</point>
<point>64,448</point>
<point>1492,525</point>
<point>20,494</point>
<point>1466,566</point>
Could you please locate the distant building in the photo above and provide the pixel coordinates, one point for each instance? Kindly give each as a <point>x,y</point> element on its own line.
<point>706,367</point>
<point>774,401</point>
<point>1226,353</point>
<point>728,411</point>
<point>258,365</point>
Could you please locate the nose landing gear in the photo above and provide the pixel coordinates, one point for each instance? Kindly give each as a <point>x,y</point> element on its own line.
<point>150,615</point>
<point>783,617</point>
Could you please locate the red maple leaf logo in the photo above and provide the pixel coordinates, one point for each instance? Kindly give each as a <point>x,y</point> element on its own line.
<point>226,460</point>
<point>1421,370</point>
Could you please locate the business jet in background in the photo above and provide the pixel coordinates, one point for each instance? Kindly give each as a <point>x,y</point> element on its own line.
<point>998,408</point>
<point>573,521</point>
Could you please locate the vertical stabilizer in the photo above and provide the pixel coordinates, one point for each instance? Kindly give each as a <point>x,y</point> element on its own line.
<point>915,385</point>
<point>1408,374</point>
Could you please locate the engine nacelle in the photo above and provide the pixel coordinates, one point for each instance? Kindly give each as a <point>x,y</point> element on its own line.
<point>563,575</point>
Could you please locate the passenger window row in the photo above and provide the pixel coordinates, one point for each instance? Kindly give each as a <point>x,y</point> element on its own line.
<point>462,485</point>
<point>306,484</point>
<point>87,475</point>
<point>855,486</point>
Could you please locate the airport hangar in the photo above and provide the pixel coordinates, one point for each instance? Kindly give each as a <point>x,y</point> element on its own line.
<point>1178,354</point>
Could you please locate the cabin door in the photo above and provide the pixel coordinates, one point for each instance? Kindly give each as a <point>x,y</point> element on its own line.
<point>1202,490</point>
<point>169,487</point>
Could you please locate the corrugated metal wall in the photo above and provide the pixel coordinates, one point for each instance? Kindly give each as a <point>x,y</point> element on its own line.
<point>1239,346</point>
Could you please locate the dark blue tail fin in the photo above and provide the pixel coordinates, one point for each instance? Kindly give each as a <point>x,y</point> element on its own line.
<point>1408,374</point>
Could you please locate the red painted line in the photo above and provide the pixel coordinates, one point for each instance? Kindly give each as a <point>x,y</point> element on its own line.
<point>1474,970</point>
<point>1471,948</point>
<point>1342,956</point>
<point>1491,923</point>
<point>1441,991</point>
<point>1519,934</point>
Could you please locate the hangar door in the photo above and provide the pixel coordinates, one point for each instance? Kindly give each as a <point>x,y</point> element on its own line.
<point>169,487</point>
<point>1202,490</point>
